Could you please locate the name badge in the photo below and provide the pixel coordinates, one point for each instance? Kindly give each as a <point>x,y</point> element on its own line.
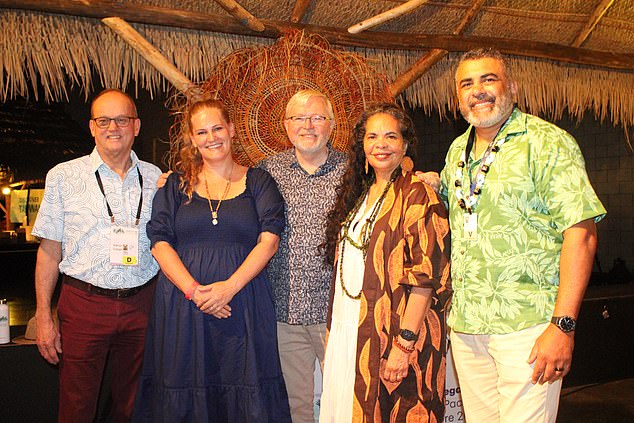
<point>124,246</point>
<point>471,226</point>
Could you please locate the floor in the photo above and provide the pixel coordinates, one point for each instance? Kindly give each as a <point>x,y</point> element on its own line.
<point>611,402</point>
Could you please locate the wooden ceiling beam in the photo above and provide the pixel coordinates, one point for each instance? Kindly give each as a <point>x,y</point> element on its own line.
<point>152,15</point>
<point>386,16</point>
<point>411,75</point>
<point>150,53</point>
<point>299,10</point>
<point>241,14</point>
<point>425,63</point>
<point>592,22</point>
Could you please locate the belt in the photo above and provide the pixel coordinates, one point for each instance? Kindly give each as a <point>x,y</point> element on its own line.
<point>104,292</point>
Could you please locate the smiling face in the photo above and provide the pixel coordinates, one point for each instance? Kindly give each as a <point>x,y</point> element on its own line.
<point>383,144</point>
<point>308,137</point>
<point>114,142</point>
<point>211,134</point>
<point>485,93</point>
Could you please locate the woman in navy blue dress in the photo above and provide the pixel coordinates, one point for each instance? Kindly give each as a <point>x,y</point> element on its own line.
<point>211,348</point>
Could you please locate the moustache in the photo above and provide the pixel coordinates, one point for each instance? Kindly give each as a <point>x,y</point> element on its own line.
<point>482,99</point>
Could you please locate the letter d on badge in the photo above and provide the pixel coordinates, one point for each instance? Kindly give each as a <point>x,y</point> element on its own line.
<point>129,260</point>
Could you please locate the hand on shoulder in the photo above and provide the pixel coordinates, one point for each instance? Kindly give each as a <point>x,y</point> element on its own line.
<point>430,178</point>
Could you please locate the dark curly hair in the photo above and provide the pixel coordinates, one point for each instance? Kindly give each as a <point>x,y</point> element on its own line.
<point>486,53</point>
<point>355,182</point>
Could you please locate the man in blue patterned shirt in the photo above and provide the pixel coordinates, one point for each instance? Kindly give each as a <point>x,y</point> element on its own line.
<point>91,225</point>
<point>307,176</point>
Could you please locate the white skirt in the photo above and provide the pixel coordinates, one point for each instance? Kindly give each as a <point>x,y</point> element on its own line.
<point>341,351</point>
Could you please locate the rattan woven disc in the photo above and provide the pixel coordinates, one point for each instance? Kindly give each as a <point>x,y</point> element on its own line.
<point>255,85</point>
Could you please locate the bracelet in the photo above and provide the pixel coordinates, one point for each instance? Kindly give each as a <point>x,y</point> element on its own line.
<point>402,347</point>
<point>190,292</point>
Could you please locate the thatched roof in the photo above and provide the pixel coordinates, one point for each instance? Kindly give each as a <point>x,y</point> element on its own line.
<point>574,55</point>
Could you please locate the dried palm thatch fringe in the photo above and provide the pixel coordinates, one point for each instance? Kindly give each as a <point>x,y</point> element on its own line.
<point>256,83</point>
<point>60,52</point>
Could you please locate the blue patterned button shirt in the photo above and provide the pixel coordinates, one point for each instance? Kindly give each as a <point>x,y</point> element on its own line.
<point>299,276</point>
<point>73,212</point>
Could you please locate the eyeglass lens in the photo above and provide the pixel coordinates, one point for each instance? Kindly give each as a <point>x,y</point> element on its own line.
<point>315,119</point>
<point>121,121</point>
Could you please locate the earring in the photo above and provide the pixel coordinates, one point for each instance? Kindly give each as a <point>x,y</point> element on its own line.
<point>407,164</point>
<point>366,166</point>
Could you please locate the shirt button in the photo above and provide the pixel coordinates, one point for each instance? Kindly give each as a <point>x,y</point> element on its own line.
<point>462,252</point>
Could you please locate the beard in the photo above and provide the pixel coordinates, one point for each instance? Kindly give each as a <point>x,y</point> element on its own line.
<point>502,107</point>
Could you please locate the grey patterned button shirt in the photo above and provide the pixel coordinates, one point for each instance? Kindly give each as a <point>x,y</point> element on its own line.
<point>299,276</point>
<point>73,212</point>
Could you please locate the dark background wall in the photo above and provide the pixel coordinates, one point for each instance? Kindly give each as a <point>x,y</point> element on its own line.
<point>609,162</point>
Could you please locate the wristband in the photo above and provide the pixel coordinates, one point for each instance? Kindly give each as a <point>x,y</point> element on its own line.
<point>190,292</point>
<point>402,347</point>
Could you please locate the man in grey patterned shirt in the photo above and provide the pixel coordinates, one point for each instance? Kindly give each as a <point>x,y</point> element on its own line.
<point>307,176</point>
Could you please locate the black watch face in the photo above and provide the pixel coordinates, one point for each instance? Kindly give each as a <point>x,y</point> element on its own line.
<point>567,324</point>
<point>408,335</point>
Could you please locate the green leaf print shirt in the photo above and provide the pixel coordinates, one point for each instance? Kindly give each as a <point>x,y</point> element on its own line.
<point>536,188</point>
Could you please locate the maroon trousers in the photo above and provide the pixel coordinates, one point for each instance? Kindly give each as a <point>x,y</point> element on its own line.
<point>93,327</point>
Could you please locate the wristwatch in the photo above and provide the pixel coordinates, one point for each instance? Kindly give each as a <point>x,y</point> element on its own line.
<point>408,335</point>
<point>565,323</point>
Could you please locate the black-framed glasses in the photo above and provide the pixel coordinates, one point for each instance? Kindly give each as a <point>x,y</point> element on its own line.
<point>314,119</point>
<point>121,121</point>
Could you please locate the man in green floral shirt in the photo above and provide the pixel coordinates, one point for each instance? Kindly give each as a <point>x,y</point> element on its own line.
<point>523,238</point>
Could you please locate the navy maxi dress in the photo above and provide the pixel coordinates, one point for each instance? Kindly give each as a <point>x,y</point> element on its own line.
<point>198,368</point>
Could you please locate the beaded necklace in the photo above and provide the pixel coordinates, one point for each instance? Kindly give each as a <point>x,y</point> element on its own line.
<point>366,231</point>
<point>467,203</point>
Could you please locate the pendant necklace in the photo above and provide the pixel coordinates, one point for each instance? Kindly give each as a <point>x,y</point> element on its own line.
<point>214,213</point>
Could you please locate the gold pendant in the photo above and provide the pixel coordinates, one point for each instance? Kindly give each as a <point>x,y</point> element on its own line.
<point>214,220</point>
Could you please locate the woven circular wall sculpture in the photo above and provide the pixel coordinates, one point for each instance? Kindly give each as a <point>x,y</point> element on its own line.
<point>256,83</point>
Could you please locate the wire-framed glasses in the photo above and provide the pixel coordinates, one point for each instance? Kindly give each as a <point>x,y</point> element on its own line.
<point>314,119</point>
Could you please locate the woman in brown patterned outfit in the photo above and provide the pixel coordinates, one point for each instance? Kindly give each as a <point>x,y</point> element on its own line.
<point>385,358</point>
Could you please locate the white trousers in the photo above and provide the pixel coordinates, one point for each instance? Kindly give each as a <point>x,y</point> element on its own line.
<point>299,346</point>
<point>495,378</point>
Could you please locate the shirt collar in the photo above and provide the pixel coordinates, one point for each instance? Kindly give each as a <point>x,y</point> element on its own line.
<point>326,167</point>
<point>515,125</point>
<point>96,161</point>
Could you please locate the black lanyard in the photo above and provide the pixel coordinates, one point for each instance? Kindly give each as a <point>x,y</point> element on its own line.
<point>138,212</point>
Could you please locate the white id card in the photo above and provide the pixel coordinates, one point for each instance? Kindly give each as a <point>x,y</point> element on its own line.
<point>124,246</point>
<point>471,226</point>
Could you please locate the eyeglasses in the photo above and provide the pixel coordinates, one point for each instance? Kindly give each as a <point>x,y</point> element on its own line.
<point>314,119</point>
<point>121,121</point>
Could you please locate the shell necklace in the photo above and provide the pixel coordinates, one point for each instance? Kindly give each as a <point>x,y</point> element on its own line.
<point>468,202</point>
<point>214,213</point>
